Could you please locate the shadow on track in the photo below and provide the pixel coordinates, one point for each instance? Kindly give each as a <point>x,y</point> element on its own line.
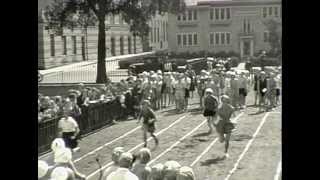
<point>214,160</point>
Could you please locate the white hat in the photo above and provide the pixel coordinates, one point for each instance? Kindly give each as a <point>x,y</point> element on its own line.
<point>63,155</point>
<point>57,143</point>
<point>159,71</point>
<point>59,173</point>
<point>264,90</point>
<point>42,168</point>
<point>185,173</point>
<point>209,90</point>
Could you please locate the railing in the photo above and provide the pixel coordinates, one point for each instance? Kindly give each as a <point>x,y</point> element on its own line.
<point>93,117</point>
<point>87,71</point>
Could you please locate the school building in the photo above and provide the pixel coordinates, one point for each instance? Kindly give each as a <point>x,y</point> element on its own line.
<point>79,44</point>
<point>223,25</point>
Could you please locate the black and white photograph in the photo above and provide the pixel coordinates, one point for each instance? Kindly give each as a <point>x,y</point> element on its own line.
<point>159,89</point>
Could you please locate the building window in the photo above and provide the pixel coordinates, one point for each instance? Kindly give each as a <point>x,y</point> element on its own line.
<point>112,19</point>
<point>120,19</point>
<point>248,27</point>
<point>211,14</point>
<point>74,40</point>
<point>195,39</point>
<point>222,38</point>
<point>184,39</point>
<point>129,45</point>
<point>228,13</point>
<point>195,14</point>
<point>83,48</point>
<point>216,37</point>
<point>211,38</point>
<point>265,36</point>
<point>179,17</point>
<point>190,15</point>
<point>270,11</point>
<point>64,44</point>
<point>121,45</point>
<point>158,34</point>
<point>151,35</point>
<point>217,13</point>
<point>276,12</point>
<point>154,34</point>
<point>190,39</point>
<point>116,19</point>
<point>244,26</point>
<point>179,39</point>
<point>222,13</point>
<point>228,38</point>
<point>113,46</point>
<point>264,12</point>
<point>134,45</point>
<point>164,30</point>
<point>184,17</point>
<point>52,45</point>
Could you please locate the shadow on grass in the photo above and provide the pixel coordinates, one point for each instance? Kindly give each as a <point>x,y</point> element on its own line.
<point>209,162</point>
<point>256,113</point>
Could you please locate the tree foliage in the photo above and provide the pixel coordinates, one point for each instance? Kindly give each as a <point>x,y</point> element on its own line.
<point>137,13</point>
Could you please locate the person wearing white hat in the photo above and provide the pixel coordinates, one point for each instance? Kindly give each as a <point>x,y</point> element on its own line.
<point>188,82</point>
<point>149,119</point>
<point>170,170</point>
<point>115,159</point>
<point>243,90</point>
<point>201,81</point>
<point>157,172</point>
<point>123,172</point>
<point>234,90</point>
<point>63,158</point>
<point>210,108</point>
<point>185,173</point>
<point>180,87</point>
<point>158,93</point>
<point>225,126</point>
<point>140,168</point>
<point>43,170</point>
<point>62,173</point>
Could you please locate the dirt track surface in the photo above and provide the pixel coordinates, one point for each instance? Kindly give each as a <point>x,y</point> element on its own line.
<point>255,147</point>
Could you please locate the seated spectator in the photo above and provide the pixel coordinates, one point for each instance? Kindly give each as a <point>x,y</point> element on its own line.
<point>185,173</point>
<point>63,158</point>
<point>115,158</point>
<point>140,168</point>
<point>62,173</point>
<point>170,170</point>
<point>123,172</point>
<point>157,172</point>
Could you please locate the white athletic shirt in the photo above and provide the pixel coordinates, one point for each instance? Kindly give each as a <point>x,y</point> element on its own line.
<point>68,125</point>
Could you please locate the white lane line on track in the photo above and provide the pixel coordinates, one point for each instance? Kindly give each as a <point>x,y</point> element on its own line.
<point>176,143</point>
<point>211,144</point>
<point>247,147</point>
<point>137,146</point>
<point>278,172</point>
<point>107,144</point>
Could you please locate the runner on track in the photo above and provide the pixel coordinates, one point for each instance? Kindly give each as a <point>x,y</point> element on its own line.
<point>149,119</point>
<point>210,108</point>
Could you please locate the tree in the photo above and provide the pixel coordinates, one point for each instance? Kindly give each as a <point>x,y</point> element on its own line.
<point>137,13</point>
<point>274,38</point>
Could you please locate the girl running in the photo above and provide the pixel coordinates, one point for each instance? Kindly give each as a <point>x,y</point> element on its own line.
<point>210,108</point>
<point>149,119</point>
<point>224,126</point>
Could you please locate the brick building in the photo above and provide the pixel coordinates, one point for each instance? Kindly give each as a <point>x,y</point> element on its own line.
<point>223,25</point>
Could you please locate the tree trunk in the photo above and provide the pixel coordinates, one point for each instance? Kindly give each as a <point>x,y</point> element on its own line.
<point>86,36</point>
<point>101,66</point>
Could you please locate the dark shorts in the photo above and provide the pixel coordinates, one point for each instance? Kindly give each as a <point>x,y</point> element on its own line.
<point>225,127</point>
<point>208,112</point>
<point>163,88</point>
<point>149,127</point>
<point>277,92</point>
<point>192,86</point>
<point>70,143</point>
<point>187,93</point>
<point>242,91</point>
<point>255,87</point>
